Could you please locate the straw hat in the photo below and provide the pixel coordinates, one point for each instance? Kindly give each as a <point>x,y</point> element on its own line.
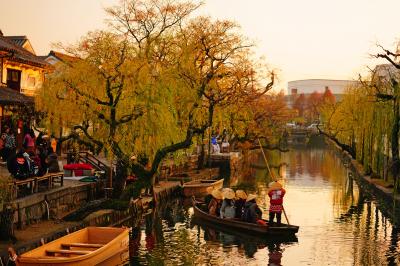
<point>241,194</point>
<point>209,190</point>
<point>216,194</point>
<point>251,197</point>
<point>229,194</point>
<point>223,190</point>
<point>275,185</point>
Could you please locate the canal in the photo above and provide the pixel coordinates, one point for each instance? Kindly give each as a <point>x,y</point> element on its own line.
<point>339,223</point>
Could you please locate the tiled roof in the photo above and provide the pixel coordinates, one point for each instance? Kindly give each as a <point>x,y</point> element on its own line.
<point>63,57</point>
<point>20,54</point>
<point>10,96</point>
<point>18,40</point>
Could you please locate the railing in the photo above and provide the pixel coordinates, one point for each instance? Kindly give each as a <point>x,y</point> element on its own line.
<point>86,157</point>
<point>32,184</point>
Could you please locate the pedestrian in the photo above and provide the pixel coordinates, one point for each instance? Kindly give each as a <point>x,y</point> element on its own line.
<point>29,141</point>
<point>276,194</point>
<point>2,142</point>
<point>53,143</point>
<point>215,144</point>
<point>9,144</point>
<point>52,161</point>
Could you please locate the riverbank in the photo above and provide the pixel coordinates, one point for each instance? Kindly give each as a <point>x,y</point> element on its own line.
<point>376,184</point>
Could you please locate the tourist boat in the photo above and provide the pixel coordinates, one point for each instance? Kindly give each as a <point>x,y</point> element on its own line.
<point>234,224</point>
<point>89,246</point>
<point>198,188</point>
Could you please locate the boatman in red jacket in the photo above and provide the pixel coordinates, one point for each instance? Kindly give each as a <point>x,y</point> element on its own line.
<point>276,194</point>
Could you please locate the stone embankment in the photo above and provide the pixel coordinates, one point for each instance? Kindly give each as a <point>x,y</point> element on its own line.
<point>357,169</point>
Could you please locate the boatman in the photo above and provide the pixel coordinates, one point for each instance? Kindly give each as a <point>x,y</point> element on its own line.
<point>276,194</point>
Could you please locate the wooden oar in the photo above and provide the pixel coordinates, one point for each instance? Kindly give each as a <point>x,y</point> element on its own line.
<point>266,161</point>
<point>284,212</point>
<point>273,177</point>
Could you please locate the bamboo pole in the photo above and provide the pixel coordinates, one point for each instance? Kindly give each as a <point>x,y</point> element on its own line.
<point>273,177</point>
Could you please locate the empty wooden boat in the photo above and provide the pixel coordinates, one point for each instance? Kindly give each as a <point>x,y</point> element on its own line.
<point>198,188</point>
<point>235,224</point>
<point>89,246</point>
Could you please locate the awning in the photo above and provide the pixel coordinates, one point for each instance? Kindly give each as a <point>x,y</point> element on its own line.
<point>12,97</point>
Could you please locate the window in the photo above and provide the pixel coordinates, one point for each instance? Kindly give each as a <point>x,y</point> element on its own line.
<point>14,79</point>
<point>294,91</point>
<point>31,81</point>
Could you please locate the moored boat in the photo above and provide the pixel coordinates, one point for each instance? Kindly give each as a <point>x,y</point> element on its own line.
<point>89,246</point>
<point>235,224</point>
<point>198,188</point>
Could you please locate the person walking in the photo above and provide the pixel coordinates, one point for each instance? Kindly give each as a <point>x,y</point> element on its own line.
<point>276,194</point>
<point>29,141</point>
<point>9,144</point>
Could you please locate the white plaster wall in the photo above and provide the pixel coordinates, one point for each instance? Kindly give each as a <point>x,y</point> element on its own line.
<point>310,85</point>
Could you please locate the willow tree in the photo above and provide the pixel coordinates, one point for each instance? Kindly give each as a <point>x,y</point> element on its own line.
<point>260,117</point>
<point>120,95</point>
<point>366,121</point>
<point>216,61</point>
<point>141,88</point>
<point>393,96</point>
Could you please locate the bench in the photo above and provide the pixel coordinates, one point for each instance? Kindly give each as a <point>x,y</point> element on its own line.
<point>81,245</point>
<point>53,252</point>
<point>33,182</point>
<point>51,178</point>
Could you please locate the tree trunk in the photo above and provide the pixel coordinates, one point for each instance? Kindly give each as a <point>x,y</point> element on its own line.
<point>6,223</point>
<point>120,178</point>
<point>210,122</point>
<point>202,155</point>
<point>395,141</point>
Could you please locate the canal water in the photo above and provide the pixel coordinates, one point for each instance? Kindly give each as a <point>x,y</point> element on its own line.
<point>339,223</point>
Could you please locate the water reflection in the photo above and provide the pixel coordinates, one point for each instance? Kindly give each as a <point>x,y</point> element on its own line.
<point>340,224</point>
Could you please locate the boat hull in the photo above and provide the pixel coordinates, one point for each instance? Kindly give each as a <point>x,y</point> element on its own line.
<point>199,188</point>
<point>110,251</point>
<point>256,229</point>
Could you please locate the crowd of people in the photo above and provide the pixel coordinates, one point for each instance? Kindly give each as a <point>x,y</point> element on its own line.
<point>36,157</point>
<point>228,204</point>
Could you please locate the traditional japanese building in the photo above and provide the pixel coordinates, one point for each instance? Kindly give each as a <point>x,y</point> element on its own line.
<point>21,75</point>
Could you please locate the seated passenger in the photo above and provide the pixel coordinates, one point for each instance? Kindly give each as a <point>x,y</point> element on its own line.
<point>208,197</point>
<point>18,166</point>
<point>215,204</point>
<point>228,205</point>
<point>240,200</point>
<point>252,213</point>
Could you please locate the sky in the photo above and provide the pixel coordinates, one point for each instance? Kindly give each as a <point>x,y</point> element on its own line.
<point>301,39</point>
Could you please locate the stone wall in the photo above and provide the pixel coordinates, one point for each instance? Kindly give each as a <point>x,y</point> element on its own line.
<point>52,204</point>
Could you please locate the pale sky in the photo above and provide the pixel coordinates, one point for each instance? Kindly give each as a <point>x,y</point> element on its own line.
<point>303,39</point>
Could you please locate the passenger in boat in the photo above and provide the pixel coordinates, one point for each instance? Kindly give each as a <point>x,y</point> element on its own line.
<point>215,204</point>
<point>209,196</point>
<point>228,205</point>
<point>276,194</point>
<point>240,200</point>
<point>252,213</point>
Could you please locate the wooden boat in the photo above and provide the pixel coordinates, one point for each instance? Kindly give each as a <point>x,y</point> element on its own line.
<point>272,230</point>
<point>198,188</point>
<point>89,246</point>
